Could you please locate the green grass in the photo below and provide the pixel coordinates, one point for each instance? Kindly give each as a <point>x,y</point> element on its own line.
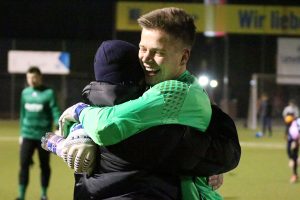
<point>61,183</point>
<point>262,174</point>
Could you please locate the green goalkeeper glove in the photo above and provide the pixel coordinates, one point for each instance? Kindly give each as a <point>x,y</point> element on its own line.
<point>79,150</point>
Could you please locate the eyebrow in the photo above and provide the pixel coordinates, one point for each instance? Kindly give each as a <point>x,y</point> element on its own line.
<point>153,49</point>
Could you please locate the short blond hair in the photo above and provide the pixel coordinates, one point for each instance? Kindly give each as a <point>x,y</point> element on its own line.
<point>174,21</point>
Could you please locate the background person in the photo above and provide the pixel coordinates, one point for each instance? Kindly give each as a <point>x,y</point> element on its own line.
<point>289,113</point>
<point>266,112</point>
<point>39,110</point>
<point>291,109</point>
<point>293,140</point>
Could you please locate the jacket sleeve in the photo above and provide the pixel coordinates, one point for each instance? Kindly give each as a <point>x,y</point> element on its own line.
<point>217,151</point>
<point>169,102</point>
<point>55,111</point>
<point>22,111</point>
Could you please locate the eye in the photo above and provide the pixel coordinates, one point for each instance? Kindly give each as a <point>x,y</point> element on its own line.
<point>142,49</point>
<point>160,53</point>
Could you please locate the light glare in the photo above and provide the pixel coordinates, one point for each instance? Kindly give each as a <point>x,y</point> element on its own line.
<point>203,80</point>
<point>213,83</point>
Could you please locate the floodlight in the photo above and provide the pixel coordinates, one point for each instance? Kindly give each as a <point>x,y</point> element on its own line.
<point>203,80</point>
<point>213,83</point>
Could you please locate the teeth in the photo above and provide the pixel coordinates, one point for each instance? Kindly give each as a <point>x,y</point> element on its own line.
<point>150,70</point>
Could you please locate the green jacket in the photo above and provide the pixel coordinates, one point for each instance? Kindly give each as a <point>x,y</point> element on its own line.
<point>180,101</point>
<point>38,112</point>
<point>193,188</point>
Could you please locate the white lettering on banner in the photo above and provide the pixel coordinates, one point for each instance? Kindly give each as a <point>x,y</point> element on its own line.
<point>33,107</point>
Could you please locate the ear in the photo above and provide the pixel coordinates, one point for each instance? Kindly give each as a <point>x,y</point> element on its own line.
<point>185,56</point>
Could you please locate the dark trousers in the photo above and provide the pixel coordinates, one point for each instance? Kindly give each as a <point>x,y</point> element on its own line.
<point>26,152</point>
<point>293,153</point>
<point>267,125</point>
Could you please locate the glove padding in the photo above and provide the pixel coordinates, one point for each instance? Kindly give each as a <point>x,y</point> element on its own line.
<point>53,143</point>
<point>79,151</point>
<point>71,114</point>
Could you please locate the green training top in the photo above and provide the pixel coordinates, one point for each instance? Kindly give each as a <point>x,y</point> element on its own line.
<point>38,112</point>
<point>181,101</point>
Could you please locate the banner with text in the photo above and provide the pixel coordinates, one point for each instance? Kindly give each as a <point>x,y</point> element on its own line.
<point>240,19</point>
<point>128,12</point>
<point>49,62</point>
<point>288,61</point>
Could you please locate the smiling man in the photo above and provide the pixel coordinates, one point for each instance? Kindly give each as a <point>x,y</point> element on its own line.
<point>162,59</point>
<point>175,97</point>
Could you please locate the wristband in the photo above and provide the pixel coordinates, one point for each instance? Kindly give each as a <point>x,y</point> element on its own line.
<point>78,110</point>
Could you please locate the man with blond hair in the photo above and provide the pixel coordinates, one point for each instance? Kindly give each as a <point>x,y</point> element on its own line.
<point>174,97</point>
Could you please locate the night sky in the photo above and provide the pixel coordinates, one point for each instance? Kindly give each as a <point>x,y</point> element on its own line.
<point>84,23</point>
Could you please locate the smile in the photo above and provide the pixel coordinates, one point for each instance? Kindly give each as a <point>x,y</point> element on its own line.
<point>151,71</point>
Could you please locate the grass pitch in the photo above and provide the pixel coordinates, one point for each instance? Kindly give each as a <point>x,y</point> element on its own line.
<point>61,183</point>
<point>262,174</point>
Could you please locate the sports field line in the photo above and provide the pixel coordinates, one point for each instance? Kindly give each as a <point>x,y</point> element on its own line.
<point>8,138</point>
<point>243,144</point>
<point>263,145</point>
